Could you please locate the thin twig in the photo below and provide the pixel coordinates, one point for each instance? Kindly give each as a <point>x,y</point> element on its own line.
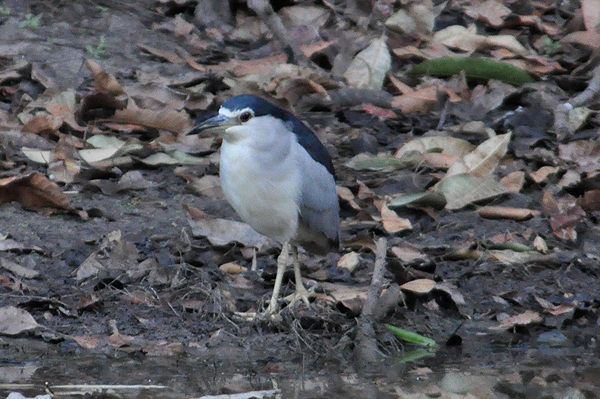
<point>366,347</point>
<point>562,127</point>
<point>376,281</point>
<point>267,15</point>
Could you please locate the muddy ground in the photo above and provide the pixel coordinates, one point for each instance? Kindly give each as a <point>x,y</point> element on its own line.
<point>183,304</point>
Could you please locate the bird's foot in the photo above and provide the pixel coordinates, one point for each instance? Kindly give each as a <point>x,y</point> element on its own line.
<point>301,294</point>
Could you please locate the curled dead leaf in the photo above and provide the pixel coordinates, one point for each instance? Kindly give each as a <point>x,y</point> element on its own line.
<point>33,191</point>
<point>503,212</point>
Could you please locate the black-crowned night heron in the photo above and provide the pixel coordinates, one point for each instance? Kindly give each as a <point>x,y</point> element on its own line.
<point>279,178</point>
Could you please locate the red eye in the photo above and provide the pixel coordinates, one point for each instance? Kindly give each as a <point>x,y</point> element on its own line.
<point>246,116</point>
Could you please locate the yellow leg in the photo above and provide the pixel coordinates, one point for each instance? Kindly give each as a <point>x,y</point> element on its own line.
<point>301,292</point>
<point>282,262</point>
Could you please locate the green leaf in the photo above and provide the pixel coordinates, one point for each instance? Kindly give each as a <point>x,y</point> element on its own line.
<point>428,198</point>
<point>416,355</point>
<point>412,337</point>
<point>380,163</point>
<point>475,68</point>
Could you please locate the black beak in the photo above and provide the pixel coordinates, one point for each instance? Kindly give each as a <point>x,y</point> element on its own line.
<point>219,122</point>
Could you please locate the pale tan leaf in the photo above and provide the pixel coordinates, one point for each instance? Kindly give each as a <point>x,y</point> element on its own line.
<point>484,159</point>
<point>370,66</point>
<point>233,268</point>
<point>407,253</point>
<point>222,231</point>
<point>540,244</point>
<point>349,261</point>
<point>392,223</point>
<point>14,321</point>
<point>591,15</point>
<point>463,189</point>
<point>37,156</point>
<point>419,286</point>
<point>490,11</point>
<point>524,319</point>
<point>437,144</point>
<point>459,37</point>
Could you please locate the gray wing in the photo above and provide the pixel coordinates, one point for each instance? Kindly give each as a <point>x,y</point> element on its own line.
<point>319,224</point>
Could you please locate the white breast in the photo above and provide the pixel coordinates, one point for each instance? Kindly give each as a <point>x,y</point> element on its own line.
<point>261,181</point>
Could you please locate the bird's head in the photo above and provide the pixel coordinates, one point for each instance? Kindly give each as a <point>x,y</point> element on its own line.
<point>245,116</point>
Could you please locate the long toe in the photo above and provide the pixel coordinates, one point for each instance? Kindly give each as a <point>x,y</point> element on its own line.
<point>301,294</point>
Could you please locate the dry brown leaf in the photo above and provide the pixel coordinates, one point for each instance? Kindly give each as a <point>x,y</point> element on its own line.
<point>311,49</point>
<point>174,121</point>
<point>346,195</point>
<point>242,68</point>
<point>502,212</point>
<point>514,181</point>
<point>33,191</point>
<point>565,215</point>
<point>103,81</point>
<point>584,153</point>
<point>536,65</point>
<point>88,342</point>
<point>165,350</point>
<point>119,340</point>
<point>351,297</point>
<point>490,11</point>
<point>169,56</point>
<point>423,100</point>
<point>562,309</point>
<point>543,174</point>
<point>43,124</point>
<point>590,200</point>
<point>588,38</point>
<point>294,89</point>
<point>379,112</point>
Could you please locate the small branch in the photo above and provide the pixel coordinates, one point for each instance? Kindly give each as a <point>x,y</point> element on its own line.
<point>562,127</point>
<point>376,282</point>
<point>590,93</point>
<point>366,346</point>
<point>267,15</point>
